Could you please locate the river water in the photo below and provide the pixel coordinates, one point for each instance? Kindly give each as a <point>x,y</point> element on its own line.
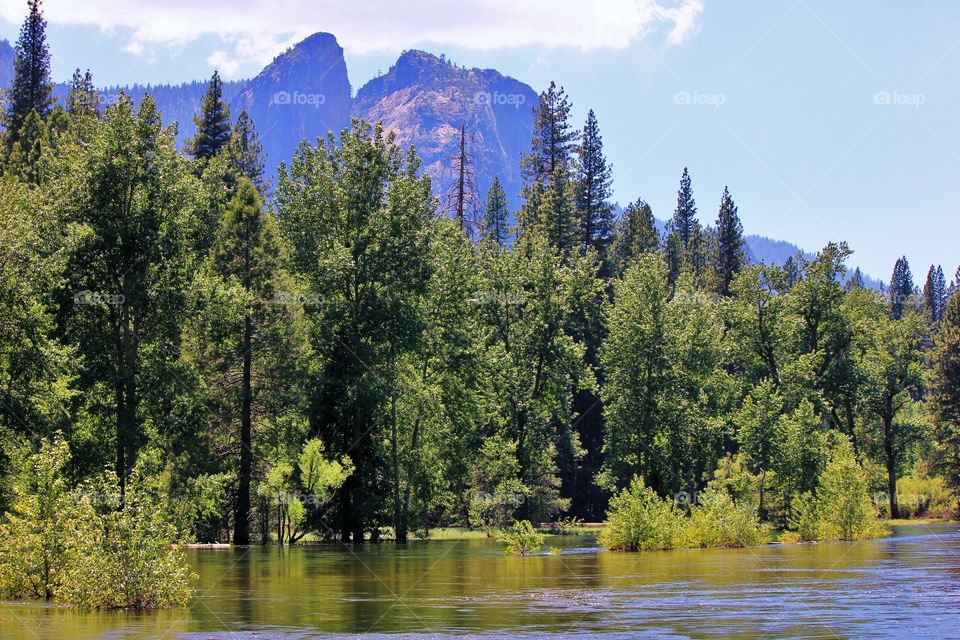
<point>907,585</point>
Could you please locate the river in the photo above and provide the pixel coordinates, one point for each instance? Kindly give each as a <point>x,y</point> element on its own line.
<point>907,585</point>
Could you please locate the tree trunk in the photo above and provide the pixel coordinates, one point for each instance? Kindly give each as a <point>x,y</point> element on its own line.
<point>241,529</point>
<point>891,464</point>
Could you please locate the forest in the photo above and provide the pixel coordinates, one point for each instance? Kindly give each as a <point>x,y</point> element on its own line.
<point>333,355</point>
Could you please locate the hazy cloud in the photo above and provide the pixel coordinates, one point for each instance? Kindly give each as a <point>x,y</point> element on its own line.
<point>257,30</point>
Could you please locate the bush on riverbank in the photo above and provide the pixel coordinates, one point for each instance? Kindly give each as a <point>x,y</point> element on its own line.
<point>89,547</point>
<point>522,539</point>
<point>640,520</point>
<point>841,509</point>
<point>718,521</point>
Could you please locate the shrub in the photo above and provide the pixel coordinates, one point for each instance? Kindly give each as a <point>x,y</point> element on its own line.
<point>638,519</point>
<point>522,539</point>
<point>919,495</point>
<point>32,539</point>
<point>89,547</point>
<point>718,521</point>
<point>120,555</point>
<point>843,505</point>
<point>803,521</point>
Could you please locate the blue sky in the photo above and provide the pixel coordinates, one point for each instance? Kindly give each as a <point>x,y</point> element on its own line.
<point>828,120</point>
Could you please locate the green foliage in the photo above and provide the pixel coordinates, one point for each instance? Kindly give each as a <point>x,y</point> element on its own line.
<point>640,520</point>
<point>121,555</point>
<point>92,546</point>
<point>522,539</point>
<point>496,490</point>
<point>34,534</point>
<point>921,495</point>
<point>213,124</point>
<point>718,521</point>
<point>841,508</point>
<point>945,393</point>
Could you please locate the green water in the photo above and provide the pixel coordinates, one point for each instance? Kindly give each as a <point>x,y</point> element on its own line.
<point>904,586</point>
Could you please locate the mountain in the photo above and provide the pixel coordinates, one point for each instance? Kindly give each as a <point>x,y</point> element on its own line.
<point>7,54</point>
<point>302,94</point>
<point>425,100</point>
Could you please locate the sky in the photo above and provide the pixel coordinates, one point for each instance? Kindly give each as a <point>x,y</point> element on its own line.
<point>828,120</point>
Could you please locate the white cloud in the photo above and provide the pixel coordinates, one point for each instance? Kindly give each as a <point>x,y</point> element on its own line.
<point>221,60</point>
<point>134,47</point>
<point>259,29</point>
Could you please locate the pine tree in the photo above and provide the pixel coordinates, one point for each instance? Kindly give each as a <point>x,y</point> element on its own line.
<point>856,280</point>
<point>32,89</point>
<point>593,190</point>
<point>496,215</point>
<point>729,253</point>
<point>902,296</point>
<point>685,217</point>
<point>33,139</point>
<point>791,271</point>
<point>940,293</point>
<point>83,99</point>
<point>554,140</point>
<point>246,152</point>
<point>557,213</point>
<point>930,298</point>
<point>213,123</point>
<point>636,234</point>
<point>673,254</point>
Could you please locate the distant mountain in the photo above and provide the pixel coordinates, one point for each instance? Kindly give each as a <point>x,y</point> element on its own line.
<point>425,100</point>
<point>7,54</point>
<point>302,94</point>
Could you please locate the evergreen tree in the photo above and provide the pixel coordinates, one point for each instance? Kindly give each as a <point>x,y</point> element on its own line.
<point>28,150</point>
<point>685,217</point>
<point>557,214</point>
<point>496,215</point>
<point>32,89</point>
<point>83,99</point>
<point>940,293</point>
<point>673,255</point>
<point>246,152</point>
<point>902,294</point>
<point>930,298</point>
<point>554,139</point>
<point>593,181</point>
<point>856,280</point>
<point>729,254</point>
<point>636,234</point>
<point>213,123</point>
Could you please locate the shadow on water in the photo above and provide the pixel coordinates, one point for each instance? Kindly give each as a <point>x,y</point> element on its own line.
<point>907,584</point>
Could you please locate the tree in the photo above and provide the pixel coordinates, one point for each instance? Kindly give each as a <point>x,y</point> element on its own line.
<point>892,364</point>
<point>636,234</point>
<point>125,279</point>
<point>685,216</point>
<point>729,253</point>
<point>358,221</point>
<point>26,156</point>
<point>83,99</point>
<point>496,215</point>
<point>244,262</point>
<point>934,297</point>
<point>246,152</point>
<point>593,190</point>
<point>31,89</point>
<point>759,431</point>
<point>213,124</point>
<point>945,392</point>
<point>662,383</point>
<point>554,139</point>
<point>902,291</point>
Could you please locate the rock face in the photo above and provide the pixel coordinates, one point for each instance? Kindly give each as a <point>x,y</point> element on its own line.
<point>425,100</point>
<point>7,56</point>
<point>302,94</point>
